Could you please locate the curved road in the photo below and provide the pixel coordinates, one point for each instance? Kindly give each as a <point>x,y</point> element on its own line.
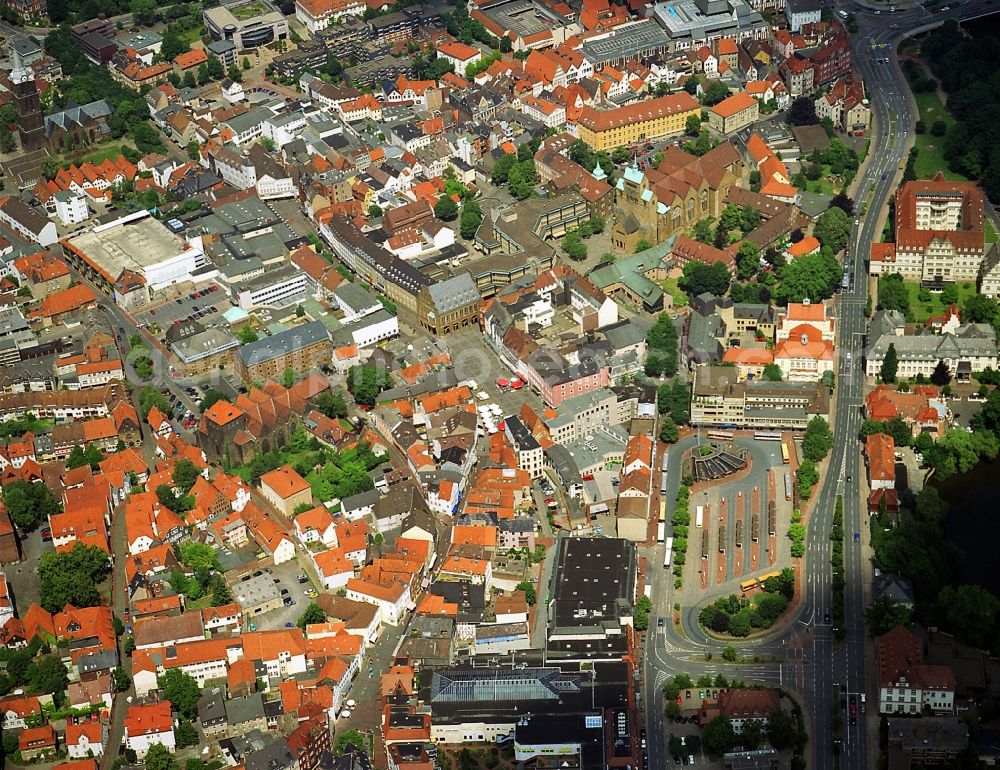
<point>825,664</point>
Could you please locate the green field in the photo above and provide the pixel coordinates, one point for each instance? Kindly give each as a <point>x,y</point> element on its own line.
<point>989,233</point>
<point>248,10</point>
<point>671,288</point>
<point>929,157</point>
<point>924,310</point>
<point>96,156</point>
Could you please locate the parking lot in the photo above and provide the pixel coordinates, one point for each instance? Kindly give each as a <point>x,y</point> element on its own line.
<point>285,577</point>
<point>23,577</point>
<point>204,305</point>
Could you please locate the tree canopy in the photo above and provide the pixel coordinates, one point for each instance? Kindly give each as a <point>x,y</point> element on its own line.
<point>182,690</point>
<point>72,577</point>
<point>29,504</point>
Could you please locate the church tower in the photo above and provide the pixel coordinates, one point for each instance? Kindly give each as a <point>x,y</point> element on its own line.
<point>27,106</point>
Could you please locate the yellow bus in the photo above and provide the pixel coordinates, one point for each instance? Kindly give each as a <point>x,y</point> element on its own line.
<point>663,509</point>
<point>748,585</point>
<point>784,453</point>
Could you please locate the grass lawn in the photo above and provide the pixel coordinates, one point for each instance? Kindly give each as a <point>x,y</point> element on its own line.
<point>203,603</point>
<point>988,232</point>
<point>244,11</point>
<point>96,155</point>
<point>924,310</point>
<point>823,185</point>
<point>193,35</point>
<point>929,157</point>
<point>887,230</point>
<point>671,288</point>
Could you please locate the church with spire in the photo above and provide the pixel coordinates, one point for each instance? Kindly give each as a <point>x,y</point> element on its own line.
<point>27,106</point>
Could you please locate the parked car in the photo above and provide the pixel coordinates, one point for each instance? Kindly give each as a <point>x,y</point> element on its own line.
<point>303,578</point>
<point>46,535</point>
<point>289,602</point>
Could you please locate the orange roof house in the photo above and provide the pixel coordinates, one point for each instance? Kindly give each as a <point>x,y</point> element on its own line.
<point>190,59</point>
<point>60,303</point>
<point>880,451</point>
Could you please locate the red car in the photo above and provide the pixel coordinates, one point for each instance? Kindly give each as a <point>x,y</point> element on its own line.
<point>46,535</point>
<point>550,499</point>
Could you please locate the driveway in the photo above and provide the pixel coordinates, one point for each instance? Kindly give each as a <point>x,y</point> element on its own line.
<point>23,577</point>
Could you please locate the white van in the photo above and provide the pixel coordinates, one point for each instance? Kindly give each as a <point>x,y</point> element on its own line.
<point>842,14</point>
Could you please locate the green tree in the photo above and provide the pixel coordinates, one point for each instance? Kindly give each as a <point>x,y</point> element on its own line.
<point>716,92</point>
<point>182,690</point>
<point>668,430</point>
<point>332,403</point>
<point>641,613</point>
<point>574,247</point>
<point>893,294</point>
<point>172,46</point>
<point>185,474</point>
<point>185,735</point>
<point>718,735</point>
<point>29,504</point>
<point>77,458</point>
<point>72,577</point>
<point>160,758</point>
<point>700,277</point>
<point>365,382</point>
<point>814,277</point>
<point>980,309</point>
<point>729,654</point>
<point>446,209</point>
<point>245,334</point>
<point>502,168</point>
<point>781,729</point>
<point>49,674</point>
<point>692,127</point>
<point>121,681</point>
<point>662,338</point>
<point>313,614</point>
<point>472,217</point>
<point>971,612</point>
<point>198,556</point>
<point>818,439</point>
<point>747,260</point>
<point>289,377</point>
<point>890,364</point>
<point>530,596</point>
<point>642,245</point>
<point>772,373</point>
<point>374,211</point>
<point>882,615</point>
<point>210,398</point>
<point>832,229</point>
<point>941,375</point>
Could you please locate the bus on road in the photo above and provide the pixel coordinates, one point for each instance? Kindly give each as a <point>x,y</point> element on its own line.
<point>720,435</point>
<point>765,435</point>
<point>663,510</point>
<point>784,453</point>
<point>661,532</point>
<point>666,555</point>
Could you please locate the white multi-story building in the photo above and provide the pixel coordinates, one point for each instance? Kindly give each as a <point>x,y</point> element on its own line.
<point>939,233</point>
<point>148,724</point>
<point>390,598</point>
<point>907,685</point>
<point>279,288</point>
<point>71,207</point>
<point>969,348</point>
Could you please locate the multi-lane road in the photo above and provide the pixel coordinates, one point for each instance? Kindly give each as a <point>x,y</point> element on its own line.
<point>826,666</point>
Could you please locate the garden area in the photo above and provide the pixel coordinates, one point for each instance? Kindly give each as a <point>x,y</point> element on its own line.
<point>330,473</point>
<point>490,758</point>
<point>924,303</point>
<point>741,616</point>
